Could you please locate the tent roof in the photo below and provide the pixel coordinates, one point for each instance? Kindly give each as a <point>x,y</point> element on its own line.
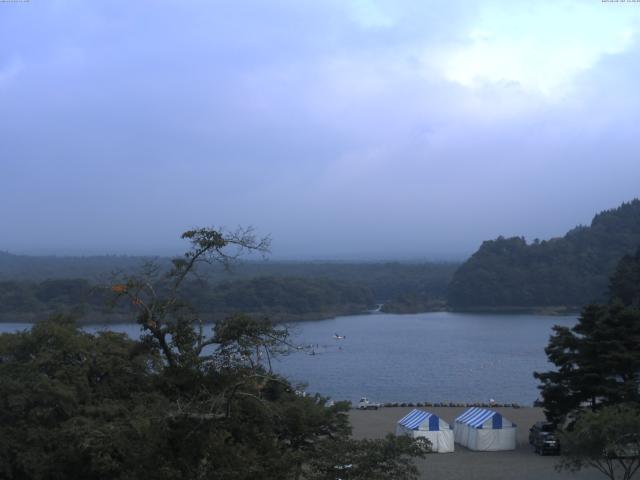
<point>415,418</point>
<point>475,417</point>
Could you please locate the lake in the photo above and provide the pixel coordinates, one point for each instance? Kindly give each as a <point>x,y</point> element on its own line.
<point>427,357</point>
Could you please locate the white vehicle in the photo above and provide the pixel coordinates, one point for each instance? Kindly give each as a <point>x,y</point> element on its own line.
<point>365,404</point>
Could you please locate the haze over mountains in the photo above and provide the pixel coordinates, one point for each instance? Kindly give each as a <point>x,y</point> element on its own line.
<point>563,272</point>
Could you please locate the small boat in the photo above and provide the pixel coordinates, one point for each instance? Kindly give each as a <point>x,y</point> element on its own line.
<point>339,337</point>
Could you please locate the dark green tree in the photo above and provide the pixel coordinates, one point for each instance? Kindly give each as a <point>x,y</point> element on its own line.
<point>625,282</point>
<point>607,440</point>
<point>598,362</point>
<point>183,402</point>
<point>594,394</point>
<point>568,271</point>
<point>390,458</point>
<point>75,405</point>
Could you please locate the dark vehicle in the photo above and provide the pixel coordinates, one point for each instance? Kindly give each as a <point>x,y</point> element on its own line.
<point>543,438</point>
<point>538,427</point>
<point>547,444</point>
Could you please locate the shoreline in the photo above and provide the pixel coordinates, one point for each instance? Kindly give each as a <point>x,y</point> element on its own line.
<point>279,318</point>
<point>384,405</point>
<point>548,311</point>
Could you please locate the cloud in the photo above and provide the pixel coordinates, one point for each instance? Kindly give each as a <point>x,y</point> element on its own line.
<point>371,14</point>
<point>10,70</point>
<point>408,128</point>
<point>539,46</point>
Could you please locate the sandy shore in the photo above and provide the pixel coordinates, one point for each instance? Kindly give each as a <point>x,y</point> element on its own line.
<point>519,464</point>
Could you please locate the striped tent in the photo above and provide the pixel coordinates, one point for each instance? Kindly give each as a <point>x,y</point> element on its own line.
<point>484,430</point>
<point>421,424</point>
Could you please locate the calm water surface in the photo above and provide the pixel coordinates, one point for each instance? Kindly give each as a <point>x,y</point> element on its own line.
<point>411,358</point>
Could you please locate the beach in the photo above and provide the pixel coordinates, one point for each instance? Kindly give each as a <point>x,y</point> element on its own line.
<point>521,463</point>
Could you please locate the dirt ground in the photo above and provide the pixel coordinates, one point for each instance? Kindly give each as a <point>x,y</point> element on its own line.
<point>519,464</point>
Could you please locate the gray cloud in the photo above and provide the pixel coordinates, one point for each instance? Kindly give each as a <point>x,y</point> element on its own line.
<point>334,126</point>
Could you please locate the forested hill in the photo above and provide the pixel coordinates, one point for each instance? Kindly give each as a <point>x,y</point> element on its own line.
<point>387,281</point>
<point>568,271</point>
<point>31,288</point>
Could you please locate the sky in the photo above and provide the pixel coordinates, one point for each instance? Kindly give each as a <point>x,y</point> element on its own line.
<point>363,129</point>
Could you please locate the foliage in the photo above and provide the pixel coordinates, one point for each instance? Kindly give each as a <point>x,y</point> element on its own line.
<point>180,403</point>
<point>385,280</point>
<point>73,405</point>
<point>279,297</point>
<point>282,290</point>
<point>390,458</point>
<point>569,271</point>
<point>276,295</point>
<point>608,440</point>
<point>594,394</point>
<point>625,282</point>
<point>598,362</point>
<point>414,303</point>
<point>76,405</point>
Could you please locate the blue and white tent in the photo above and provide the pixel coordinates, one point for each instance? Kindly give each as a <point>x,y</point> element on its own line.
<point>419,423</point>
<point>484,430</point>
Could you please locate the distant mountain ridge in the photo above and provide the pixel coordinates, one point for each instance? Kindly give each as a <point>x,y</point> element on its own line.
<point>570,271</point>
<point>38,268</point>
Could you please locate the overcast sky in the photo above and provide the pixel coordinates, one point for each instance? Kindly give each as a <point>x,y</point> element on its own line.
<point>345,129</point>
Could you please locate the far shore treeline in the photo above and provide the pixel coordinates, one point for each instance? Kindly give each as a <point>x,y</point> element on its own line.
<point>33,287</point>
<point>505,274</point>
<point>570,271</point>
